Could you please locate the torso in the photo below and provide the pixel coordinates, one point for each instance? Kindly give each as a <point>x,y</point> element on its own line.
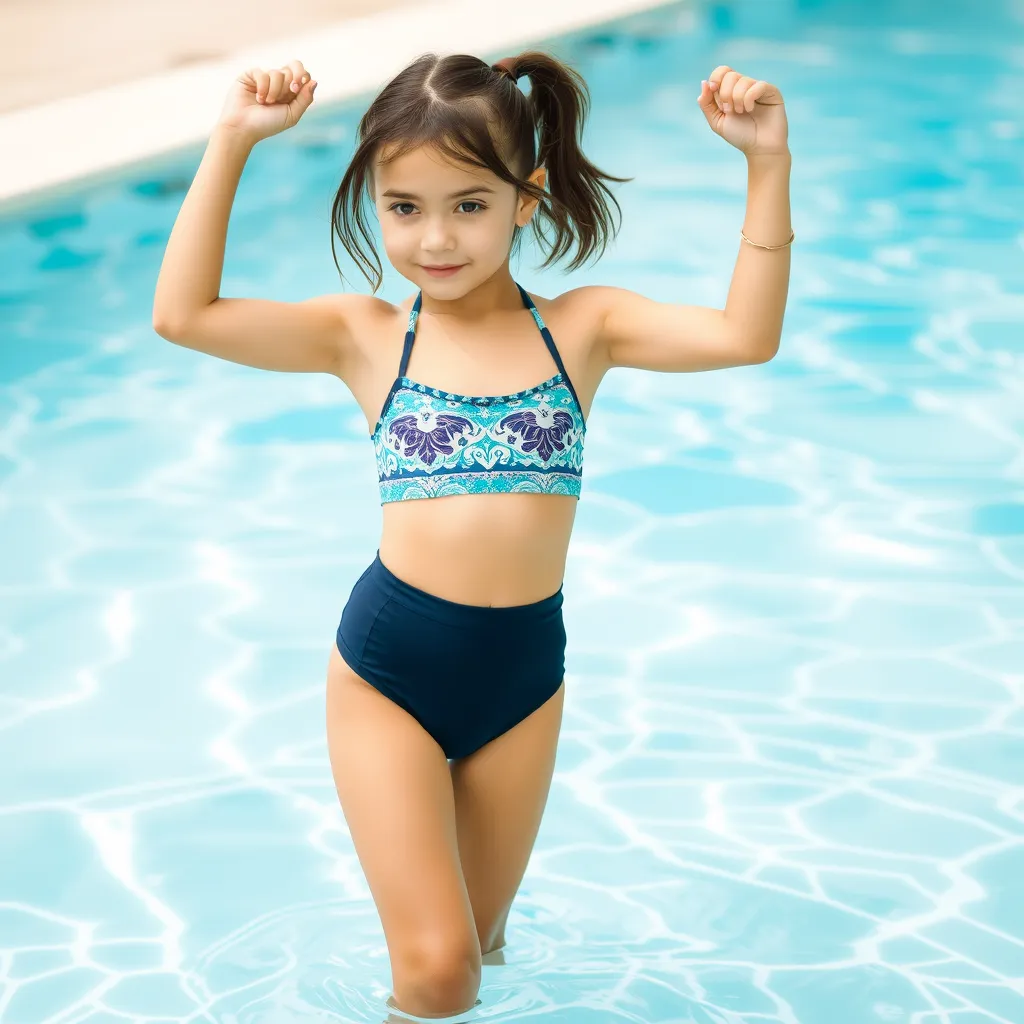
<point>482,549</point>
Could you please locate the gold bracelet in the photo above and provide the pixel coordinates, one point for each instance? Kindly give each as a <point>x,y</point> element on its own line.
<point>756,245</point>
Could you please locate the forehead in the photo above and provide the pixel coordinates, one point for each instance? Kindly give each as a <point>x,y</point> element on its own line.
<point>427,171</point>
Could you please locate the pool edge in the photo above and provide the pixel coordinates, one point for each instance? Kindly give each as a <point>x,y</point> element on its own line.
<point>63,143</point>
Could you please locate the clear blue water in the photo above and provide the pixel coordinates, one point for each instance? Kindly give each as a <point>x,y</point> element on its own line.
<point>790,786</point>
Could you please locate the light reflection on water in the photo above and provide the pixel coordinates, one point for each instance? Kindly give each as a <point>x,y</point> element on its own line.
<point>789,782</point>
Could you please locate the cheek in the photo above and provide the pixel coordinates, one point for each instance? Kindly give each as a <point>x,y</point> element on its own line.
<point>492,233</point>
<point>396,241</point>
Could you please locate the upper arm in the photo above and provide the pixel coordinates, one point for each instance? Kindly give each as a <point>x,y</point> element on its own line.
<point>311,336</point>
<point>639,332</point>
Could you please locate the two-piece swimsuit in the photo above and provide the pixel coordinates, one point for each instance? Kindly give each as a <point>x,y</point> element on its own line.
<point>466,673</point>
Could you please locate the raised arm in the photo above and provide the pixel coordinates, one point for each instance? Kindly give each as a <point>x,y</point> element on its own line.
<point>188,309</point>
<point>639,332</point>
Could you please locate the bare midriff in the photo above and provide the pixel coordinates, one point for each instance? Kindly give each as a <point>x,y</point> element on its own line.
<point>493,550</point>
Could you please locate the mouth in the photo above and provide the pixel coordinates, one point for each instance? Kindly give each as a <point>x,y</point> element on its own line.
<point>443,270</point>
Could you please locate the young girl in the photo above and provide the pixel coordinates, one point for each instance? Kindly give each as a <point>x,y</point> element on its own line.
<point>444,686</point>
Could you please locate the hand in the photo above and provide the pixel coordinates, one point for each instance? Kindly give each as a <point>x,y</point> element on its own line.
<point>262,103</point>
<point>749,114</point>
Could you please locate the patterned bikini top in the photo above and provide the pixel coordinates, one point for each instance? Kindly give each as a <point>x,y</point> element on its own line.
<point>430,443</point>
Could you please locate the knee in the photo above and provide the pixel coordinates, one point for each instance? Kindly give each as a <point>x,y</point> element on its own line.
<point>439,976</point>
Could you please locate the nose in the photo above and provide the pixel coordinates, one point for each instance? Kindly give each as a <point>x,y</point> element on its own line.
<point>437,235</point>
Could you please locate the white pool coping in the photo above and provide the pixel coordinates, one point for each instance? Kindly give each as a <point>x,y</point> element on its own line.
<point>64,141</point>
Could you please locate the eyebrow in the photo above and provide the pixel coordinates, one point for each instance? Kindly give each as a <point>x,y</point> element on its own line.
<point>411,197</point>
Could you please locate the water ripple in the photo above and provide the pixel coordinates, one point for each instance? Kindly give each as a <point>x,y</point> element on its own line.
<point>788,788</point>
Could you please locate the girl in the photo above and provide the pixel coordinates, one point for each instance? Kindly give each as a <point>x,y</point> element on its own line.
<point>444,686</point>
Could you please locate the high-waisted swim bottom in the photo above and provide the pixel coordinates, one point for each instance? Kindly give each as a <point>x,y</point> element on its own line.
<point>466,673</point>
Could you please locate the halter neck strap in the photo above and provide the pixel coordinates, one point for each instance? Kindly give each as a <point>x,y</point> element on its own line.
<point>544,332</point>
<point>414,314</point>
<point>410,335</point>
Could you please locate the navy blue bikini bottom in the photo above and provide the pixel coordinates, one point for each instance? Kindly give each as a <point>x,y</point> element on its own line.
<point>467,673</point>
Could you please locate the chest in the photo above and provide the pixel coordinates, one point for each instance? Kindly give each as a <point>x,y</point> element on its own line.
<point>504,358</point>
<point>453,367</point>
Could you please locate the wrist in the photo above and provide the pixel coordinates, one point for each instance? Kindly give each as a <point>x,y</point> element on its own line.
<point>782,158</point>
<point>234,138</point>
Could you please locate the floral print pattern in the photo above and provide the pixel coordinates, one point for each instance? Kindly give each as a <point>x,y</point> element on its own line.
<point>429,442</point>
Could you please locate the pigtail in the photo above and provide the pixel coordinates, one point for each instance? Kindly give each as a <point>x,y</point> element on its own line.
<point>579,215</point>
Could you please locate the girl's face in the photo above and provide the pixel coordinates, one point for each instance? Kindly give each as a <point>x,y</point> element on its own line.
<point>447,227</point>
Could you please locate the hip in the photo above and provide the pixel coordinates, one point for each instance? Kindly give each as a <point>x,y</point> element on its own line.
<point>392,627</point>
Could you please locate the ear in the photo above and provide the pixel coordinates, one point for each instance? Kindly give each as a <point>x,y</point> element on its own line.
<point>527,204</point>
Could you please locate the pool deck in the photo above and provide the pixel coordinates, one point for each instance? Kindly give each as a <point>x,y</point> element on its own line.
<point>51,49</point>
<point>85,101</point>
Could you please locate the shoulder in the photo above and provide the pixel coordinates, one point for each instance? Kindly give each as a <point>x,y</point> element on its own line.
<point>577,319</point>
<point>353,307</point>
<point>590,302</point>
<point>365,324</point>
<point>366,312</point>
<point>585,311</point>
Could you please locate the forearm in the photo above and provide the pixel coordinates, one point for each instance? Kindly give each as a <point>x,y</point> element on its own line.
<point>193,262</point>
<point>760,282</point>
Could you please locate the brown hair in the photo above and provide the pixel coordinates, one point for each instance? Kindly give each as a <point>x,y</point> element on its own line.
<point>475,113</point>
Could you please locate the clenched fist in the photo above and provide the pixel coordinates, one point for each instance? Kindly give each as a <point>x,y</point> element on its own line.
<point>264,103</point>
<point>747,112</point>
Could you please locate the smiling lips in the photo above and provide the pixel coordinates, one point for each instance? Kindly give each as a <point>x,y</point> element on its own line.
<point>444,271</point>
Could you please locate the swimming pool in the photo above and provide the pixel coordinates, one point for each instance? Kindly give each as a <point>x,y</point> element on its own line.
<point>790,786</point>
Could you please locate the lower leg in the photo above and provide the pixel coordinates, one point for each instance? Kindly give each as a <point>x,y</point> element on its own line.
<point>496,939</point>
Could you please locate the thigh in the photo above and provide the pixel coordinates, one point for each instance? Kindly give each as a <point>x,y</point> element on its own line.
<point>500,792</point>
<point>396,794</point>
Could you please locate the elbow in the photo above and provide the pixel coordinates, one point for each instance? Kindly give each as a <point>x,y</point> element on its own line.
<point>749,347</point>
<point>765,352</point>
<point>171,328</point>
<point>164,326</point>
<point>176,327</point>
<point>163,330</point>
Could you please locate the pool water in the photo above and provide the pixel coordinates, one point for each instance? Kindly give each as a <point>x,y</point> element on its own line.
<point>790,786</point>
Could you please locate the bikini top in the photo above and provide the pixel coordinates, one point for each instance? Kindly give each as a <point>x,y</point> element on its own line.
<point>430,443</point>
